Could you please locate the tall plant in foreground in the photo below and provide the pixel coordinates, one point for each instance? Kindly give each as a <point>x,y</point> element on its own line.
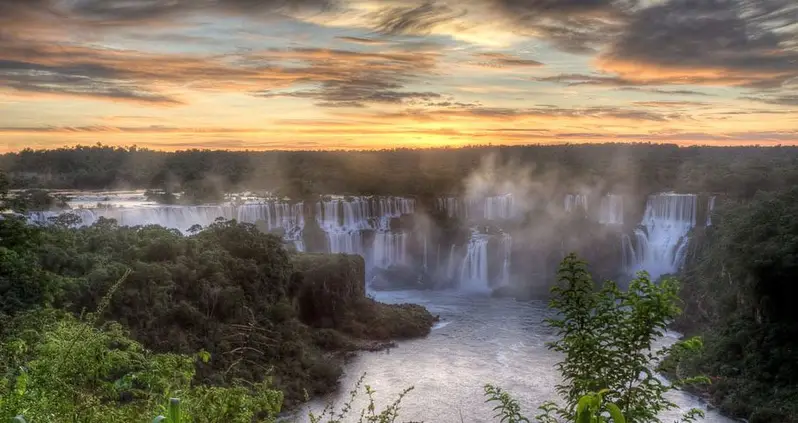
<point>607,338</point>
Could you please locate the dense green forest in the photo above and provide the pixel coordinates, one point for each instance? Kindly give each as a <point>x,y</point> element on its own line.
<point>739,292</point>
<point>203,174</point>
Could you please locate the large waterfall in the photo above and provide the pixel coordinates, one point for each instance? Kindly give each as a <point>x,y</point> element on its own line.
<point>474,270</point>
<point>660,242</point>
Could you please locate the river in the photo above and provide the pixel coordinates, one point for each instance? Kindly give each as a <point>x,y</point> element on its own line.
<point>479,340</point>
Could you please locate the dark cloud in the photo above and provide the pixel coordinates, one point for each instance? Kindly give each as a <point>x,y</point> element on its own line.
<point>577,26</point>
<point>414,20</point>
<point>746,43</point>
<point>80,80</point>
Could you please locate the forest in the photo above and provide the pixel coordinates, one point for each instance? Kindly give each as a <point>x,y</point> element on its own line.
<point>232,321</point>
<point>204,175</point>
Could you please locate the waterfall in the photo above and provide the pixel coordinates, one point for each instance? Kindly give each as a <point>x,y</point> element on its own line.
<point>425,253</point>
<point>661,239</point>
<point>389,249</point>
<point>507,244</point>
<point>453,207</point>
<point>611,210</point>
<point>710,207</point>
<point>344,219</point>
<point>574,202</point>
<point>499,207</point>
<point>474,270</point>
<point>451,264</point>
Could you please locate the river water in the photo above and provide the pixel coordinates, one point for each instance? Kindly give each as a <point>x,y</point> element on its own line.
<point>479,340</point>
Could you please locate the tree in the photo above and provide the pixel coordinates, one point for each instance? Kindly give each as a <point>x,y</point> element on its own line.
<point>607,338</point>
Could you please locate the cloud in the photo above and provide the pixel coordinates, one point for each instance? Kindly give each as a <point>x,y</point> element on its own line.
<point>780,100</point>
<point>665,91</point>
<point>151,129</point>
<point>671,104</point>
<point>513,114</point>
<point>359,40</point>
<point>501,60</point>
<point>744,43</point>
<point>337,76</point>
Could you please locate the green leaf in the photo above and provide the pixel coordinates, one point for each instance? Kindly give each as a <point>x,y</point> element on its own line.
<point>615,413</point>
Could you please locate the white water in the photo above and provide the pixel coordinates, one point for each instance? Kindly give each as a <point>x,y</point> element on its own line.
<point>474,270</point>
<point>390,249</point>
<point>500,207</point>
<point>575,202</point>
<point>507,246</point>
<point>710,208</point>
<point>660,242</point>
<point>611,210</point>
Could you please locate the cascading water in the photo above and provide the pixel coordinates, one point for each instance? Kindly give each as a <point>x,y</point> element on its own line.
<point>661,239</point>
<point>500,207</point>
<point>611,210</point>
<point>574,202</point>
<point>344,218</point>
<point>453,207</point>
<point>389,249</point>
<point>474,270</point>
<point>451,265</point>
<point>507,245</point>
<point>710,208</point>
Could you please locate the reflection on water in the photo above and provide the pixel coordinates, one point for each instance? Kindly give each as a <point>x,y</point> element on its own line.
<point>479,340</point>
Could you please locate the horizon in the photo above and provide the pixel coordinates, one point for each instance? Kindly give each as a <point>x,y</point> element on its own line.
<point>132,147</point>
<point>370,75</point>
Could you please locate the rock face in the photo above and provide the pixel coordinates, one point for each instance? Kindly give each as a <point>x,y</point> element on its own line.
<point>330,292</point>
<point>328,286</point>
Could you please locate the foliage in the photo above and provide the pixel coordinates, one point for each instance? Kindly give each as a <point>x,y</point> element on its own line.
<point>229,290</point>
<point>48,376</point>
<point>607,338</point>
<point>369,414</point>
<point>740,290</point>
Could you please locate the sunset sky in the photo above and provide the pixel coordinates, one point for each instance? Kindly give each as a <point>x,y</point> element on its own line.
<point>323,74</point>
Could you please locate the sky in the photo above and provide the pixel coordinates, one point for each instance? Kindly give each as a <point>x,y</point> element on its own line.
<point>371,74</point>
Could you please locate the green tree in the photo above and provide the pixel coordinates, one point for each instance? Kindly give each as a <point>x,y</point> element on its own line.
<point>607,337</point>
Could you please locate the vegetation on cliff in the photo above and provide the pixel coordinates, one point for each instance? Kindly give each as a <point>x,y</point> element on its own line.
<point>740,289</point>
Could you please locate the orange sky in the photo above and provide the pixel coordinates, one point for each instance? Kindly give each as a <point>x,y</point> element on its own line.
<point>328,74</point>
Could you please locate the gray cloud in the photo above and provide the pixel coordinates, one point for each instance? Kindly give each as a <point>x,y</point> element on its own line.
<point>746,43</point>
<point>780,100</point>
<point>81,80</point>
